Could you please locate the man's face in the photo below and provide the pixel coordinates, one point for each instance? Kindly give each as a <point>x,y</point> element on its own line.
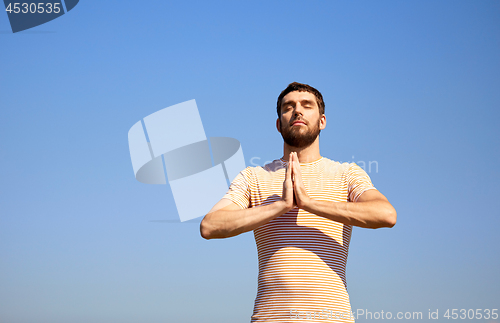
<point>300,121</point>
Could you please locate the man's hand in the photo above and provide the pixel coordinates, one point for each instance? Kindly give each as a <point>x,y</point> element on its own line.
<point>227,219</point>
<point>300,193</point>
<point>287,195</point>
<point>371,210</point>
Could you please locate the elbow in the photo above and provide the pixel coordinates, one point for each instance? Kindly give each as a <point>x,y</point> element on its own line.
<point>204,234</point>
<point>204,230</point>
<point>390,218</point>
<point>208,230</point>
<point>385,218</point>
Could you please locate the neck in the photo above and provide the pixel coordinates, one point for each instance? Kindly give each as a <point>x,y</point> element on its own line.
<point>306,154</point>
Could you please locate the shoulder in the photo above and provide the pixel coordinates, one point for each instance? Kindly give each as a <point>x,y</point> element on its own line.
<point>274,166</point>
<point>342,166</point>
<point>267,172</point>
<point>269,167</point>
<point>334,167</point>
<point>355,169</point>
<point>253,172</point>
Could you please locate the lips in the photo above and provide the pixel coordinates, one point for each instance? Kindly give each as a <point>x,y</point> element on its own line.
<point>298,122</point>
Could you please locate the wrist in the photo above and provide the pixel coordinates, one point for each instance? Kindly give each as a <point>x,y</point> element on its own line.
<point>306,204</point>
<point>283,206</point>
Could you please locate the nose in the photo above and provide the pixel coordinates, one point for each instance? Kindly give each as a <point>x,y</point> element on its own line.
<point>298,110</point>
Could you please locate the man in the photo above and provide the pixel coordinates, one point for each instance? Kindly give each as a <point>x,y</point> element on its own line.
<point>302,208</point>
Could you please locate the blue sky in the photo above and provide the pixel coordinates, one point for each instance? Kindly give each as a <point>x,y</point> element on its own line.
<point>410,85</point>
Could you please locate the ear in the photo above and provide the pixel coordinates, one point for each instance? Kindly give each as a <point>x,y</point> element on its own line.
<point>278,126</point>
<point>322,122</point>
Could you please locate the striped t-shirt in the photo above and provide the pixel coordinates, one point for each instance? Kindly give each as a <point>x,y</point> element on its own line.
<point>302,256</point>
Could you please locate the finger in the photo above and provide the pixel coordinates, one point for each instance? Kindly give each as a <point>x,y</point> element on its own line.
<point>288,170</point>
<point>296,165</point>
<point>294,172</point>
<point>297,173</point>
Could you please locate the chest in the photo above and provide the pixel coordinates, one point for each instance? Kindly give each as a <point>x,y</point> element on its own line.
<point>320,184</point>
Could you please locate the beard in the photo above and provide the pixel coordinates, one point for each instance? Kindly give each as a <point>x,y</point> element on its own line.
<point>297,137</point>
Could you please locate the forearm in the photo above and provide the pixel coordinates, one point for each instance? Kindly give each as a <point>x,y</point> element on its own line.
<point>370,214</point>
<point>226,223</point>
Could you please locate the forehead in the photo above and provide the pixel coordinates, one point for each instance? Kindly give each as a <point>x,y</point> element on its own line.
<point>297,96</point>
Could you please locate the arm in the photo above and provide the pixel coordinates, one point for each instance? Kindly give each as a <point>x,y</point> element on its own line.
<point>226,219</point>
<point>372,209</point>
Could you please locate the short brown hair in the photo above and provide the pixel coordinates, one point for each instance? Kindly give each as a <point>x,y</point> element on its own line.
<point>299,87</point>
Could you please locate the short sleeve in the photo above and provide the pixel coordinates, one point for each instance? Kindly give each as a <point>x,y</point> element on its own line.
<point>239,190</point>
<point>358,182</point>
